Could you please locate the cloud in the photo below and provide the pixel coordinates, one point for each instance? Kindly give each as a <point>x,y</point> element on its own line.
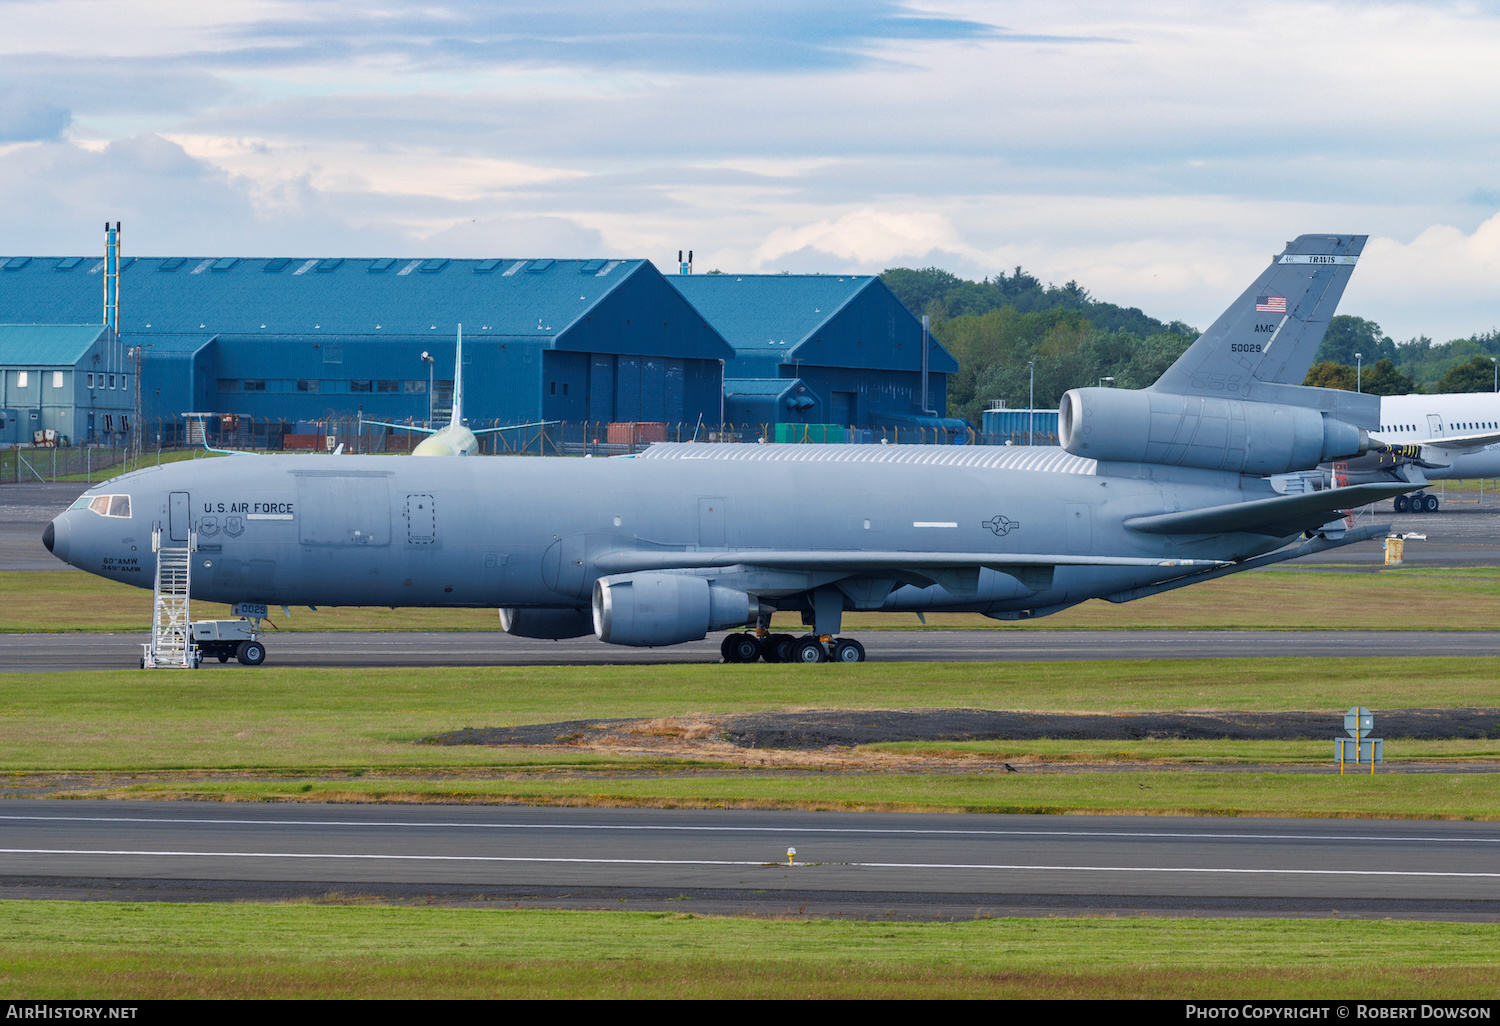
<point>170,203</point>
<point>24,117</point>
<point>1444,283</point>
<point>517,237</point>
<point>865,237</point>
<point>678,36</point>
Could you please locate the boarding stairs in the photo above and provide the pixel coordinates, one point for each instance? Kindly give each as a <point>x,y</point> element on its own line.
<point>171,644</point>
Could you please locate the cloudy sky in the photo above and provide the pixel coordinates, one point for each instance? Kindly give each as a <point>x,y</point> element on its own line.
<point>1158,154</point>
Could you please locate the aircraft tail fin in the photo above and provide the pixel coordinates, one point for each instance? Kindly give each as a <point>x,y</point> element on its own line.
<point>1270,334</point>
<point>457,417</point>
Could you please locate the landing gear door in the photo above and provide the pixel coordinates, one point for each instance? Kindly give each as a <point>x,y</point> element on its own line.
<point>180,510</point>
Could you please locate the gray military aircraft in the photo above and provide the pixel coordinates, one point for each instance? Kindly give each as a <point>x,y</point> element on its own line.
<point>1153,489</point>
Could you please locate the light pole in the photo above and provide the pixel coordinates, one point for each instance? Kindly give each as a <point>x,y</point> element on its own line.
<point>1492,360</point>
<point>1359,372</point>
<point>1031,401</point>
<point>427,359</point>
<point>1103,380</point>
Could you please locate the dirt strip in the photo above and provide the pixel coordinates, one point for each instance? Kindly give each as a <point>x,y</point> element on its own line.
<point>818,730</point>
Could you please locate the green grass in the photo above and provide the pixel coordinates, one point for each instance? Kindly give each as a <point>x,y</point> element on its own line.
<point>317,734</point>
<point>1187,753</point>
<point>285,718</point>
<point>127,951</point>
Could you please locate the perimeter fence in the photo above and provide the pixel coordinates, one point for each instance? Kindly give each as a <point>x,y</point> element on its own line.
<point>167,439</point>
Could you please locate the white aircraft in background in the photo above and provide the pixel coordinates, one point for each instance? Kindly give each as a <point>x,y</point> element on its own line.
<point>1458,435</point>
<point>455,438</point>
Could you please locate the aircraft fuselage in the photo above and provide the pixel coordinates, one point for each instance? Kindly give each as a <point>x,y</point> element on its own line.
<point>528,531</point>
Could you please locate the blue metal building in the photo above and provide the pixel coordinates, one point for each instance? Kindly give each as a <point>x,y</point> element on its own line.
<point>309,339</point>
<point>69,379</point>
<point>821,348</point>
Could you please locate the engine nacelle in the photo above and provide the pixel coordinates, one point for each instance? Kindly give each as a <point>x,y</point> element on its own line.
<point>1144,426</point>
<point>651,609</point>
<point>546,624</point>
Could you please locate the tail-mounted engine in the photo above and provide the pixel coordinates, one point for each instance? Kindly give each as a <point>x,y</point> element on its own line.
<point>1147,426</point>
<point>650,609</point>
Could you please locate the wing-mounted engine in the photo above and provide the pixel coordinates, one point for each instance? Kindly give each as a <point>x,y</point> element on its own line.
<point>650,609</point>
<point>1212,433</point>
<point>546,624</point>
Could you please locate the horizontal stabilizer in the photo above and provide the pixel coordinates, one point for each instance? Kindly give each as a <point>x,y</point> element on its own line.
<point>1276,517</point>
<point>404,427</point>
<point>854,561</point>
<point>516,427</point>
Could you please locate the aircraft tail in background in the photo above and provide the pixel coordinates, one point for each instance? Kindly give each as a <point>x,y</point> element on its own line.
<point>1271,333</point>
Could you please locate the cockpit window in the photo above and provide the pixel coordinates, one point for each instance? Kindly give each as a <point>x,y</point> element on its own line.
<point>105,505</point>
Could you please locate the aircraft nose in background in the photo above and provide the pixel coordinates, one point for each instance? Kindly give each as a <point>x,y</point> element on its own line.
<point>55,537</point>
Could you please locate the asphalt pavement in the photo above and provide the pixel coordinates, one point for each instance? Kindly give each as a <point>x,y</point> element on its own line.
<point>869,865</point>
<point>41,653</point>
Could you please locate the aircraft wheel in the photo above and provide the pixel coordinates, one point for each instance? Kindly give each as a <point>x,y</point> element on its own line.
<point>769,649</point>
<point>251,653</point>
<point>740,648</point>
<point>783,644</point>
<point>809,650</point>
<point>1403,504</point>
<point>847,650</point>
<point>223,656</point>
<point>1430,503</point>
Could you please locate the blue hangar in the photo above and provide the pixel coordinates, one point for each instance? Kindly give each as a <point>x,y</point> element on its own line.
<point>308,339</point>
<point>822,348</point>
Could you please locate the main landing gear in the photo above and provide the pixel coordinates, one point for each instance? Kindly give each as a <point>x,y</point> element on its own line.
<point>1421,502</point>
<point>788,648</point>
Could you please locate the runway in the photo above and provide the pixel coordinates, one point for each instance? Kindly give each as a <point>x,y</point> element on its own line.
<point>867,864</point>
<point>40,653</point>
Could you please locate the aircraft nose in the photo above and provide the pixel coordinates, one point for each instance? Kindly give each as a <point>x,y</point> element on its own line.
<point>55,537</point>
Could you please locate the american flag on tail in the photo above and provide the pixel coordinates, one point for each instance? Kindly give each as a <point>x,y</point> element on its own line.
<point>1270,304</point>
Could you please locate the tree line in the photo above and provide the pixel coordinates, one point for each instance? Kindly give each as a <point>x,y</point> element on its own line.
<point>997,327</point>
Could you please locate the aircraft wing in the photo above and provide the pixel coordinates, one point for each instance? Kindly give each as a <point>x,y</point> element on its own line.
<point>1459,444</point>
<point>1277,517</point>
<point>855,561</point>
<point>403,427</point>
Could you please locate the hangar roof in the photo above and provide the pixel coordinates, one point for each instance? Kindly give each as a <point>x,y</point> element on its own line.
<point>777,322</point>
<point>760,313</point>
<point>46,345</point>
<point>533,298</point>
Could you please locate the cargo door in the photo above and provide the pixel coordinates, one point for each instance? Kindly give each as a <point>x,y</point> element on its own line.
<point>179,512</point>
